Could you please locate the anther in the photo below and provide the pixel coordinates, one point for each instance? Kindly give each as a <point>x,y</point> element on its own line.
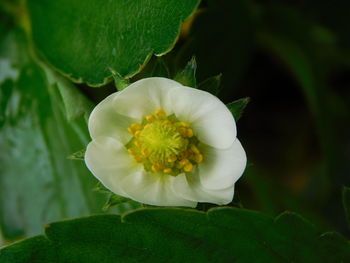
<point>147,126</point>
<point>183,131</point>
<point>138,159</point>
<point>137,133</point>
<point>167,170</point>
<point>150,117</point>
<point>188,167</point>
<point>186,154</point>
<point>172,159</point>
<point>184,162</point>
<point>136,126</point>
<point>145,152</point>
<point>155,168</point>
<point>185,124</point>
<point>194,149</point>
<point>137,143</point>
<point>131,151</point>
<point>166,122</point>
<point>130,130</point>
<point>198,158</point>
<point>189,133</point>
<point>160,113</point>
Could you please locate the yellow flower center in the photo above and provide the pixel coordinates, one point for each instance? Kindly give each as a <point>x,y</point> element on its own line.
<point>164,144</point>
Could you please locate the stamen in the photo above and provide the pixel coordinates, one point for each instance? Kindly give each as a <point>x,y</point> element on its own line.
<point>155,168</point>
<point>145,152</point>
<point>150,117</point>
<point>188,167</point>
<point>185,124</point>
<point>183,162</point>
<point>160,113</point>
<point>136,126</point>
<point>130,130</point>
<point>198,158</point>
<point>167,170</point>
<point>164,144</point>
<point>131,151</point>
<point>137,133</point>
<point>194,149</point>
<point>138,159</point>
<point>189,133</point>
<point>166,122</point>
<point>172,159</point>
<point>137,143</point>
<point>183,131</point>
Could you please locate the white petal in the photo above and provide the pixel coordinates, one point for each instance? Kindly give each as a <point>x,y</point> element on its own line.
<point>153,189</point>
<point>145,96</point>
<point>222,168</point>
<point>106,121</point>
<point>189,187</point>
<point>211,120</point>
<point>110,163</point>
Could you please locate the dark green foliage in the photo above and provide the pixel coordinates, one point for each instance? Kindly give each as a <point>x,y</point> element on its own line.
<point>178,235</point>
<point>38,183</point>
<point>88,41</point>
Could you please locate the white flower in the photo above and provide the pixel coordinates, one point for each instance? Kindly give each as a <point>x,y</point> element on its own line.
<point>164,144</point>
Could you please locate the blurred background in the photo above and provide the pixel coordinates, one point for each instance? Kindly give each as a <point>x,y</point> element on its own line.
<point>291,58</point>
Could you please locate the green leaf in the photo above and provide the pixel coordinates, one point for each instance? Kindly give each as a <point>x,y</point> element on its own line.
<point>333,243</point>
<point>86,41</point>
<point>184,235</point>
<point>237,107</point>
<point>76,104</point>
<point>38,183</point>
<point>211,85</point>
<point>29,250</point>
<point>346,203</point>
<point>187,76</point>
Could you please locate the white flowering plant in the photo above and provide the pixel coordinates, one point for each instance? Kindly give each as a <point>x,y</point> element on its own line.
<point>161,143</point>
<point>162,174</point>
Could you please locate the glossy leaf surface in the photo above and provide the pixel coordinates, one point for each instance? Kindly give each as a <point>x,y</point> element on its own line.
<point>38,183</point>
<point>179,235</point>
<point>89,40</point>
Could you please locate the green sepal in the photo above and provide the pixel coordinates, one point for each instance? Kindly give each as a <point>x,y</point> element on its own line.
<point>120,82</point>
<point>211,85</point>
<point>237,107</point>
<point>187,76</point>
<point>79,155</point>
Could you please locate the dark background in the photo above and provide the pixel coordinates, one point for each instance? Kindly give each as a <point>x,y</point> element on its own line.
<point>292,59</point>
